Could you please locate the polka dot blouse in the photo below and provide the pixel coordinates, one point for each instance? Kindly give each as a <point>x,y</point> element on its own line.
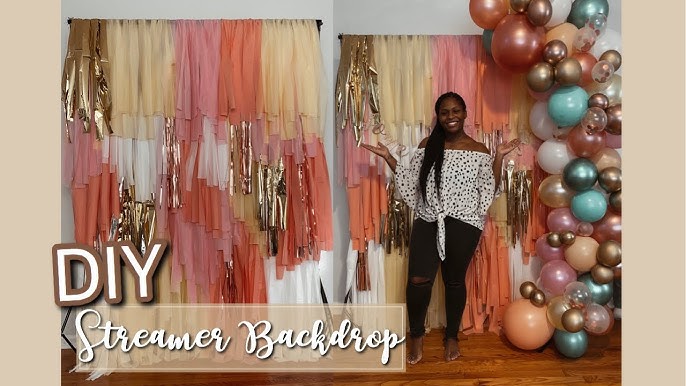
<point>467,189</point>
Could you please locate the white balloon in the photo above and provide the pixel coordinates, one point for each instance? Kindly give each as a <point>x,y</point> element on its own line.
<point>540,122</point>
<point>610,40</point>
<point>561,9</point>
<point>553,155</point>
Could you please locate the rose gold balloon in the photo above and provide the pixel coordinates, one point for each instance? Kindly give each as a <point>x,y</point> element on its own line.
<point>554,193</point>
<point>573,320</point>
<point>568,72</point>
<point>516,44</point>
<point>564,32</point>
<point>602,274</point>
<point>616,202</point>
<point>537,298</point>
<point>553,239</point>
<point>598,100</point>
<point>608,228</point>
<point>584,229</point>
<point>519,6</point>
<point>567,237</point>
<point>605,158</point>
<point>610,179</point>
<point>584,143</point>
<point>539,12</point>
<point>554,51</point>
<point>487,13</point>
<point>587,61</point>
<point>612,56</point>
<point>540,77</point>
<point>614,119</point>
<point>609,253</point>
<point>526,289</point>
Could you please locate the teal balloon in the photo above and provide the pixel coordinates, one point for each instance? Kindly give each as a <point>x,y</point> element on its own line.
<point>589,205</point>
<point>567,105</point>
<point>580,174</point>
<point>600,293</point>
<point>486,40</point>
<point>571,344</point>
<point>583,9</point>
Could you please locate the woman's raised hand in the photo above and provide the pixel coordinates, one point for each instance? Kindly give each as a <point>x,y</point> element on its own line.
<point>381,150</point>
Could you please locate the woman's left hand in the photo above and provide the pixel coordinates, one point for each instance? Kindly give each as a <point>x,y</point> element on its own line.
<point>505,148</point>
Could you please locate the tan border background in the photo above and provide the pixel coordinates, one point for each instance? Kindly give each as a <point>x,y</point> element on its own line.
<point>653,240</point>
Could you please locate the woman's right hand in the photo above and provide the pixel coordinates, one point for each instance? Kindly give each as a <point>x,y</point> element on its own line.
<point>381,150</point>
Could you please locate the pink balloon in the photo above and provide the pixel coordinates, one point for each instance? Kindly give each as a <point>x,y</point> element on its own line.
<point>555,275</point>
<point>561,219</point>
<point>613,141</point>
<point>546,252</point>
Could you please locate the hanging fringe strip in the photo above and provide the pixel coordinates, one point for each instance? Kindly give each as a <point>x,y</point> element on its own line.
<point>171,154</point>
<point>85,92</point>
<point>356,84</point>
<point>138,221</point>
<point>272,203</point>
<point>519,199</point>
<point>395,229</point>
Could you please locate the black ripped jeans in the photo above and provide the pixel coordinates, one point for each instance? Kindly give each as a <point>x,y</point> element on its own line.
<point>461,242</point>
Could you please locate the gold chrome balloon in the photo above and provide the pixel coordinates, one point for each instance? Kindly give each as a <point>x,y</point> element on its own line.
<point>537,298</point>
<point>610,179</point>
<point>573,320</point>
<point>612,56</point>
<point>567,237</point>
<point>602,274</point>
<point>609,253</point>
<point>568,72</point>
<point>554,51</point>
<point>554,240</point>
<point>541,77</point>
<point>616,202</point>
<point>526,289</point>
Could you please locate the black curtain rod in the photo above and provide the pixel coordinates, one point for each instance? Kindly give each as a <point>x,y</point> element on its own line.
<point>319,25</point>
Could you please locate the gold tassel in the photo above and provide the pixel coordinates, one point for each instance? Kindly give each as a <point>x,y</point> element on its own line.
<point>172,156</point>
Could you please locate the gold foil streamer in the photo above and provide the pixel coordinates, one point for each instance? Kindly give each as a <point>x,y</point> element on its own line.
<point>272,202</point>
<point>172,156</point>
<point>85,76</point>
<point>362,272</point>
<point>232,157</point>
<point>229,293</point>
<point>518,189</point>
<point>246,158</point>
<point>395,227</point>
<point>356,84</point>
<point>137,222</point>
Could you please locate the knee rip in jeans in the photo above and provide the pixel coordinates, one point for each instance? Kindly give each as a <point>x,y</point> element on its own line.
<point>419,281</point>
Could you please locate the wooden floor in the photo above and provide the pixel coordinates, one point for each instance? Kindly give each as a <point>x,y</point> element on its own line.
<point>487,359</point>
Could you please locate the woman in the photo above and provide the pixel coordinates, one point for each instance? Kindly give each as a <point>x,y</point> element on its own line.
<point>449,219</point>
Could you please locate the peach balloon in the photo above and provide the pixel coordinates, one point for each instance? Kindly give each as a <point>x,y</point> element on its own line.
<point>587,61</point>
<point>526,326</point>
<point>605,158</point>
<point>487,13</point>
<point>564,32</point>
<point>517,44</point>
<point>582,254</point>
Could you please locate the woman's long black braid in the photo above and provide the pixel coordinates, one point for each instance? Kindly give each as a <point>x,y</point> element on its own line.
<point>435,147</point>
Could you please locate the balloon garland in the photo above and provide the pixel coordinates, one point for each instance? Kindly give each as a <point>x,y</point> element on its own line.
<point>570,60</point>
